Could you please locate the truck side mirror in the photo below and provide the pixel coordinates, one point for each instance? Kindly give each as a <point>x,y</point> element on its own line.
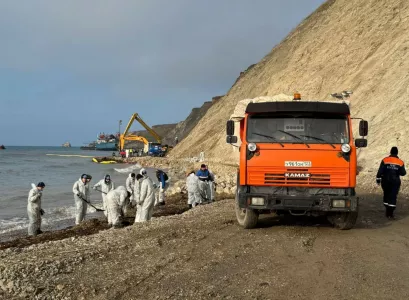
<point>363,128</point>
<point>231,139</point>
<point>230,127</point>
<point>361,143</point>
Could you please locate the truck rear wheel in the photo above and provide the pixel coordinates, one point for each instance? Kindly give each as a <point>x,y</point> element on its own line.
<point>247,218</point>
<point>343,220</point>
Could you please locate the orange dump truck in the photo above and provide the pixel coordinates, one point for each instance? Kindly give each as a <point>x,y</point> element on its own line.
<point>297,157</point>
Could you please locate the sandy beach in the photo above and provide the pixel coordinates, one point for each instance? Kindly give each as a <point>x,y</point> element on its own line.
<point>203,253</point>
<point>94,223</point>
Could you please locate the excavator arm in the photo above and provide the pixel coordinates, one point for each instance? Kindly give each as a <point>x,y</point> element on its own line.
<point>125,137</point>
<point>136,138</point>
<point>150,130</point>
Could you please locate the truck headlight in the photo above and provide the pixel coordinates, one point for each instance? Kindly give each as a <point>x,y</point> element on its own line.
<point>346,148</point>
<point>257,201</point>
<point>338,203</point>
<point>252,147</point>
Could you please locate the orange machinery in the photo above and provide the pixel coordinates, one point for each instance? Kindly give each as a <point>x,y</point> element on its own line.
<point>129,137</point>
<point>297,157</point>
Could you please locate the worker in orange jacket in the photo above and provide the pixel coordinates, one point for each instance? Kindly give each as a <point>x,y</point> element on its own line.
<point>390,170</point>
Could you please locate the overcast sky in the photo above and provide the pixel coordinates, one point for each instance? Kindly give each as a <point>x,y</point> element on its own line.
<point>72,69</point>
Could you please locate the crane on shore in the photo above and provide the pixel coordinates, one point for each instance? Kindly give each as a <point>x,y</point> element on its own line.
<point>130,137</point>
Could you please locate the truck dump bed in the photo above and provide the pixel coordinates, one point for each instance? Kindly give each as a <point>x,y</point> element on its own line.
<point>240,109</point>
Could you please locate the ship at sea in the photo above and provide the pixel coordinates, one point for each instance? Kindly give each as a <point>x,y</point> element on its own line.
<point>106,142</point>
<point>66,145</point>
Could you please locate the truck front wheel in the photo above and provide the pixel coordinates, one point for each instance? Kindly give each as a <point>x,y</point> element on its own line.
<point>343,220</point>
<point>247,218</point>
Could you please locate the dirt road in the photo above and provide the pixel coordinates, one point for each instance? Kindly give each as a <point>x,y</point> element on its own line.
<point>204,254</point>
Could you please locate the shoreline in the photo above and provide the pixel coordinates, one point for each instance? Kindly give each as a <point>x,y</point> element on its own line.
<point>95,222</point>
<point>176,202</point>
<point>56,226</point>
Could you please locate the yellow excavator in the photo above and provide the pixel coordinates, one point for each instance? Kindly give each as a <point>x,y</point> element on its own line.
<point>153,148</point>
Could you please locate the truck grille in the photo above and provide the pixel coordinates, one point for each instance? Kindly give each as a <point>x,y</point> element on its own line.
<point>316,179</point>
<point>324,177</point>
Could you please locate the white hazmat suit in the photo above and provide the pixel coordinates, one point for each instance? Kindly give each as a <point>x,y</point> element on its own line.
<point>163,186</point>
<point>81,190</point>
<point>204,192</point>
<point>192,185</point>
<point>146,200</point>
<point>137,192</point>
<point>130,184</point>
<point>116,200</point>
<point>33,211</point>
<point>104,188</point>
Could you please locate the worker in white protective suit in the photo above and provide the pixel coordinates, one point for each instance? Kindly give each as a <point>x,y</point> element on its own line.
<point>146,198</point>
<point>105,186</point>
<point>116,200</point>
<point>156,187</point>
<point>82,197</point>
<point>34,209</point>
<point>130,185</point>
<point>192,185</point>
<point>136,193</point>
<point>163,180</point>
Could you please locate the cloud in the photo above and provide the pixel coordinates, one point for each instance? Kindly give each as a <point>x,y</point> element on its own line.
<point>156,50</point>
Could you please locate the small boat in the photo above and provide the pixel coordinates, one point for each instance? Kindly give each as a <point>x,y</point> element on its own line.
<point>103,160</point>
<point>2,147</point>
<point>108,162</point>
<point>66,145</point>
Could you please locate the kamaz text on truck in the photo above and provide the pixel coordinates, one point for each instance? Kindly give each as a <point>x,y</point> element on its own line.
<point>297,157</point>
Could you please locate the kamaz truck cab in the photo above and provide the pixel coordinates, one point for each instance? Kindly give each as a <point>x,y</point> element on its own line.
<point>296,157</point>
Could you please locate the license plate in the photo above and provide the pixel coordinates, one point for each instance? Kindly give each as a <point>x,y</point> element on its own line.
<point>305,164</point>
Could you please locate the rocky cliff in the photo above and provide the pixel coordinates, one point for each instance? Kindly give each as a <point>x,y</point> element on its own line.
<point>182,129</point>
<point>163,130</point>
<point>358,45</point>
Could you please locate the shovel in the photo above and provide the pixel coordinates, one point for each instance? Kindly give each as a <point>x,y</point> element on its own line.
<point>101,191</point>
<point>97,209</point>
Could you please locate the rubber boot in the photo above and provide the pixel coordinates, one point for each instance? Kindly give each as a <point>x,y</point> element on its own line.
<point>392,216</point>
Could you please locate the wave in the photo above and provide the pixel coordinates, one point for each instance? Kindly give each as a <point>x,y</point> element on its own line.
<point>129,169</point>
<point>55,166</point>
<point>49,219</point>
<point>70,155</point>
<point>10,172</point>
<point>13,224</point>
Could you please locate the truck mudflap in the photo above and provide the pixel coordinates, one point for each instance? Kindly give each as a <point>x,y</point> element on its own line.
<point>322,203</point>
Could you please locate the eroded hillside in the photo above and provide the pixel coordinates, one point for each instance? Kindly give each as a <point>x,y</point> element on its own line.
<point>345,44</point>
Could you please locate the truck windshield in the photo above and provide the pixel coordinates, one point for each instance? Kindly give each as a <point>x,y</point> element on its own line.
<point>296,129</point>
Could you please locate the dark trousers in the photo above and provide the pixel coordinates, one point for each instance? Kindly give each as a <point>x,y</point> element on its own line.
<point>390,196</point>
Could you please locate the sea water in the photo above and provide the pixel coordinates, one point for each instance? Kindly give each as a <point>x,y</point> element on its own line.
<point>21,166</point>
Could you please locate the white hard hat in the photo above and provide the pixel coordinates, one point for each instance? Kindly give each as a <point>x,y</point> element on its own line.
<point>142,171</point>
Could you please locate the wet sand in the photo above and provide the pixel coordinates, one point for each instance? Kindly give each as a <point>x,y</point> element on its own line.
<point>175,204</point>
